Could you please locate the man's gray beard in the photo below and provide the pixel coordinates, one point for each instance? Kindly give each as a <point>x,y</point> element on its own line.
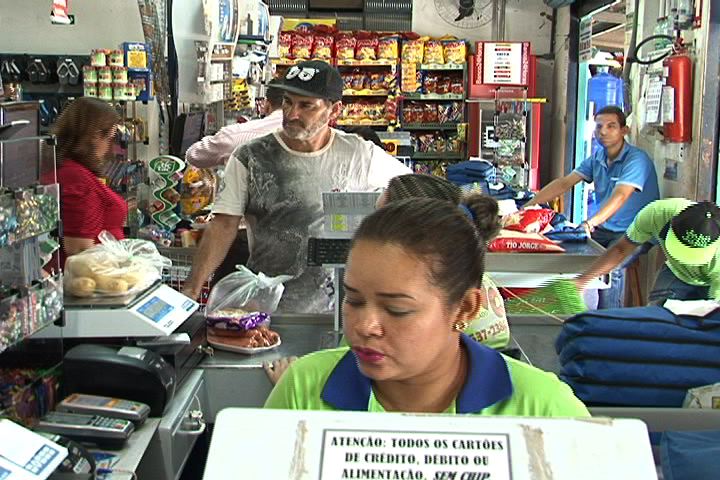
<point>309,132</point>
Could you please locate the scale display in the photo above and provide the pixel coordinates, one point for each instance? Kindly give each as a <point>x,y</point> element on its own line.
<point>155,309</point>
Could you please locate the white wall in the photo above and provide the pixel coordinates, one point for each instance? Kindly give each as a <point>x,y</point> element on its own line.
<point>25,28</point>
<point>525,20</point>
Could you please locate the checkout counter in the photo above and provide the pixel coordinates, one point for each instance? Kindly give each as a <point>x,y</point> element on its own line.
<point>144,347</point>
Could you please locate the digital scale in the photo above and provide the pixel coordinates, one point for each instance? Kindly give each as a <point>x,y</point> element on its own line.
<point>158,311</point>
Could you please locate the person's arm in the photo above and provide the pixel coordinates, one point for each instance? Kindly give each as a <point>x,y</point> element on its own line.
<point>555,188</point>
<point>215,244</point>
<point>383,167</point>
<point>212,151</point>
<point>619,196</point>
<point>75,245</point>
<point>606,262</point>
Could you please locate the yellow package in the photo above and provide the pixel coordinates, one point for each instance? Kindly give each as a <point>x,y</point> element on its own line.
<point>434,52</point>
<point>413,50</point>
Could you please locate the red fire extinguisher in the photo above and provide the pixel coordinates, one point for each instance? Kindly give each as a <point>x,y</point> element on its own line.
<point>679,77</point>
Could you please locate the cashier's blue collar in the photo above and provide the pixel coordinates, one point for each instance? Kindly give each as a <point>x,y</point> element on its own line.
<point>488,381</point>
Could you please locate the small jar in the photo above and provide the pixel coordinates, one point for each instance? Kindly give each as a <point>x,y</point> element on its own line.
<point>118,90</point>
<point>130,91</point>
<point>116,58</point>
<point>119,75</point>
<point>90,74</point>
<point>104,75</point>
<point>105,91</point>
<point>98,58</point>
<point>90,89</point>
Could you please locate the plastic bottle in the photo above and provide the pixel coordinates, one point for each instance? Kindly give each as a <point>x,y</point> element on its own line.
<point>604,89</point>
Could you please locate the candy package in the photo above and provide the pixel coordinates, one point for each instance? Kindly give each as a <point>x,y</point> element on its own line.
<point>443,85</point>
<point>430,113</point>
<point>433,52</point>
<point>456,112</point>
<point>366,48</point>
<point>323,46</point>
<point>533,220</point>
<point>455,51</point>
<point>423,168</point>
<point>456,86</point>
<point>345,46</point>
<point>443,112</point>
<point>302,43</point>
<point>197,190</point>
<point>284,44</point>
<point>114,268</point>
<point>388,47</point>
<point>413,50</point>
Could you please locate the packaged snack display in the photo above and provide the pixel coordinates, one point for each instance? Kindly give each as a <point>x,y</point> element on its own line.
<point>388,47</point>
<point>435,142</point>
<point>114,268</point>
<point>433,52</point>
<point>455,51</point>
<point>323,46</point>
<point>345,46</point>
<point>413,50</point>
<point>284,44</point>
<point>366,48</point>
<point>430,113</point>
<point>302,44</point>
<point>411,80</point>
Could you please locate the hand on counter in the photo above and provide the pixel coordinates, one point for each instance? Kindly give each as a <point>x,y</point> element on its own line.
<point>275,369</point>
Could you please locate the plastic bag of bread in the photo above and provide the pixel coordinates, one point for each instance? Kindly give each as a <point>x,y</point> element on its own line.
<point>244,300</point>
<point>114,268</point>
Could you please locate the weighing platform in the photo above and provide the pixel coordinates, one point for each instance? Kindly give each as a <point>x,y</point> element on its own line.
<point>157,311</point>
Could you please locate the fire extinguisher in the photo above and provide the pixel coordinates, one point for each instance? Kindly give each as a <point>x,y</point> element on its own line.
<point>679,77</point>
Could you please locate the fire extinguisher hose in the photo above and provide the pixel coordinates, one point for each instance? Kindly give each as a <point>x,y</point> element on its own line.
<point>633,57</point>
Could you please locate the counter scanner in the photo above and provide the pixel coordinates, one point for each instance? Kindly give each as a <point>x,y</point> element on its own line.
<point>131,373</point>
<point>157,311</point>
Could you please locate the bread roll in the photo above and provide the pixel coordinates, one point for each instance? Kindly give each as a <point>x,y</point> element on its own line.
<point>82,287</point>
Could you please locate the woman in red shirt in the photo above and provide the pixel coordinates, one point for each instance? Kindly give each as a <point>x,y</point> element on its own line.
<point>85,132</point>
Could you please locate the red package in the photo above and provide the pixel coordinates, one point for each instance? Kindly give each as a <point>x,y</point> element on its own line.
<point>323,47</point>
<point>530,221</point>
<point>443,85</point>
<point>456,86</point>
<point>366,49</point>
<point>284,44</point>
<point>345,46</point>
<point>302,43</point>
<point>430,113</point>
<point>520,242</point>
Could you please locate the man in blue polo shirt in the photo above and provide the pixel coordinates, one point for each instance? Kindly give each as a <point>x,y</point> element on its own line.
<point>625,181</point>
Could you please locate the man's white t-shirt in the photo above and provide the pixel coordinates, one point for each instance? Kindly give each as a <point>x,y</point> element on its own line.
<point>279,192</point>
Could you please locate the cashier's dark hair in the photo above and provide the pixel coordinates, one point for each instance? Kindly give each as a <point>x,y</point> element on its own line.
<point>441,232</point>
<point>77,127</point>
<point>613,110</point>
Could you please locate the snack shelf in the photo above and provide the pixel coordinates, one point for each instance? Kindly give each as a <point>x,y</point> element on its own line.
<point>431,126</point>
<point>437,156</point>
<point>442,66</point>
<point>360,123</point>
<point>433,96</point>
<point>366,63</point>
<point>28,213</point>
<point>366,93</point>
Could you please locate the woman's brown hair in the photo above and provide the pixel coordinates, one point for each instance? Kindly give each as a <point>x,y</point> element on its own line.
<point>78,125</point>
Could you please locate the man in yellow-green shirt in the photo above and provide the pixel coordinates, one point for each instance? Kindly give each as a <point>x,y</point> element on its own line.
<point>688,233</point>
<point>495,385</point>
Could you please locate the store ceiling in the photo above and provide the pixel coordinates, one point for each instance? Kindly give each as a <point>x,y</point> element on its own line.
<point>609,27</point>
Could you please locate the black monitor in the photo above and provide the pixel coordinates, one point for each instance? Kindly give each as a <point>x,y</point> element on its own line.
<point>187,129</point>
<point>20,159</point>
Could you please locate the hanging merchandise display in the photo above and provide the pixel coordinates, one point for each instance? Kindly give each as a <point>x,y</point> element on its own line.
<point>152,13</point>
<point>165,173</point>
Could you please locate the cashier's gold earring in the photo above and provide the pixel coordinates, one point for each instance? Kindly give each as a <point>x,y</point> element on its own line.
<point>460,326</point>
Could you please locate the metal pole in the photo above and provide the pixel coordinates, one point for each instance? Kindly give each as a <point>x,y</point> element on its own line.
<point>707,171</point>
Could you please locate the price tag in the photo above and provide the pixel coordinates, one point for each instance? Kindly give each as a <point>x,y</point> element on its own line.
<point>414,455</point>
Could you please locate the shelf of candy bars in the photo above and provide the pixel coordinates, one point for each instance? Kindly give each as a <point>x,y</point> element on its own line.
<point>27,212</point>
<point>26,395</point>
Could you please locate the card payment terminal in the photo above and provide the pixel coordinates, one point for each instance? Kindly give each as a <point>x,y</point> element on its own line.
<point>104,431</point>
<point>136,412</point>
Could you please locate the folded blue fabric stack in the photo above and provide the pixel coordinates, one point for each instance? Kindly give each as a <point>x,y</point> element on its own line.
<point>642,356</point>
<point>565,233</point>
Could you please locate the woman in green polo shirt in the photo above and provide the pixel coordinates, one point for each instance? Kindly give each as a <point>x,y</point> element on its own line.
<point>412,285</point>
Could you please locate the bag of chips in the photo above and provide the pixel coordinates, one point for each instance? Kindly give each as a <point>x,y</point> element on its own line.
<point>366,47</point>
<point>513,241</point>
<point>302,43</point>
<point>323,46</point>
<point>533,220</point>
<point>388,47</point>
<point>284,44</point>
<point>345,46</point>
<point>413,50</point>
<point>433,52</point>
<point>455,51</point>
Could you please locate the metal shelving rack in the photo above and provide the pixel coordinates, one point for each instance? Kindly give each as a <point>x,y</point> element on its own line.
<point>509,155</point>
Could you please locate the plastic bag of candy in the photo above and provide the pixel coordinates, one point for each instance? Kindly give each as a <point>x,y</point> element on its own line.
<point>434,52</point>
<point>430,113</point>
<point>388,47</point>
<point>533,220</point>
<point>455,51</point>
<point>345,46</point>
<point>413,50</point>
<point>284,44</point>
<point>366,47</point>
<point>302,44</point>
<point>323,46</point>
